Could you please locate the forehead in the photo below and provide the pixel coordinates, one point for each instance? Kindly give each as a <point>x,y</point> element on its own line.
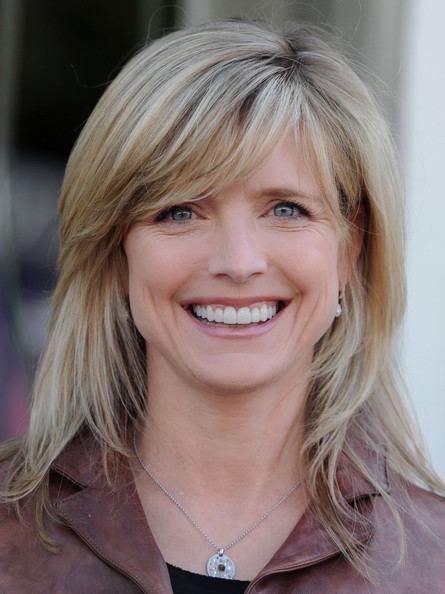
<point>285,162</point>
<point>287,166</point>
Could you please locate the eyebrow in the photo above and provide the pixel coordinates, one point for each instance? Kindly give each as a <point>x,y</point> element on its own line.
<point>285,192</point>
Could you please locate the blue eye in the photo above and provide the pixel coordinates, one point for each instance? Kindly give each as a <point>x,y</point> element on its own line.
<point>175,213</point>
<point>290,210</point>
<point>180,213</point>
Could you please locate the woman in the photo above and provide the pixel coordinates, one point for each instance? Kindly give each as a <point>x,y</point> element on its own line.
<point>218,394</point>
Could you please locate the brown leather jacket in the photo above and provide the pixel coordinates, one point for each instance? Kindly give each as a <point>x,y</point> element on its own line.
<point>106,545</point>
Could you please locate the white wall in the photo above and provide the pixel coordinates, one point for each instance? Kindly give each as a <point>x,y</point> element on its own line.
<point>423,158</point>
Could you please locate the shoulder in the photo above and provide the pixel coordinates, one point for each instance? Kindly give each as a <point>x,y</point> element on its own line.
<point>427,501</point>
<point>409,545</point>
<point>26,564</point>
<point>423,514</point>
<point>20,549</point>
<point>418,506</point>
<point>80,524</point>
<point>17,529</point>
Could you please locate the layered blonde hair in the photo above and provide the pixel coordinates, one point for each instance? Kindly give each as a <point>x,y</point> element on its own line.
<point>190,114</point>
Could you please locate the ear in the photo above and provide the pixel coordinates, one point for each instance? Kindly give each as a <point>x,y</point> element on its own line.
<point>352,247</point>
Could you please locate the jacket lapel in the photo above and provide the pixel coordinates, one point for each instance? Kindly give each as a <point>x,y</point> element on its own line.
<point>309,543</point>
<point>110,518</point>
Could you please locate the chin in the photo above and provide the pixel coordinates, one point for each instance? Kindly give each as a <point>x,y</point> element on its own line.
<point>237,380</point>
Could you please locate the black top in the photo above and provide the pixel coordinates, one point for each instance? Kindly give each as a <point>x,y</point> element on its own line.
<point>185,582</point>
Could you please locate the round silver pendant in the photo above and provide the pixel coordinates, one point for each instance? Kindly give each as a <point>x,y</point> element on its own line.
<point>221,566</point>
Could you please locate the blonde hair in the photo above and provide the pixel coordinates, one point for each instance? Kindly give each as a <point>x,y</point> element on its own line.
<point>193,112</point>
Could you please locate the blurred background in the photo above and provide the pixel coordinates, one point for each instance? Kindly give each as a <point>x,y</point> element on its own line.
<point>56,59</point>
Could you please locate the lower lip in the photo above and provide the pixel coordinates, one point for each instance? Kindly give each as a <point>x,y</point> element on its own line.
<point>238,331</point>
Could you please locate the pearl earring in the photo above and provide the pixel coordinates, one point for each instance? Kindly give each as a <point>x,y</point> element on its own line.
<point>338,310</point>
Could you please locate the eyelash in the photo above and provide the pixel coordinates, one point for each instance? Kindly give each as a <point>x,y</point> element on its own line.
<point>165,215</point>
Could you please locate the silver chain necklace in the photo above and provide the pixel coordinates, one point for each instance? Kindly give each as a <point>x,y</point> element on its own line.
<point>220,564</point>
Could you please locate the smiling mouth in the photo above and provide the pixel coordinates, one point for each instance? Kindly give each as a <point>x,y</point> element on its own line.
<point>219,315</point>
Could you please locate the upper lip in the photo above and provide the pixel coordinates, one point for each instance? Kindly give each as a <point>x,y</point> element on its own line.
<point>234,301</point>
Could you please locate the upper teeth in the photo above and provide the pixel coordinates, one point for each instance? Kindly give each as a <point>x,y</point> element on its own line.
<point>232,315</point>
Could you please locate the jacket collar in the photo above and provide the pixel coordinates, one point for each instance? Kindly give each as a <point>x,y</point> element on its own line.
<point>104,513</point>
<point>309,543</point>
<point>108,516</point>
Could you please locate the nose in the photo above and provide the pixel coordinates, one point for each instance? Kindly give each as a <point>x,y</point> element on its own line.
<point>237,252</point>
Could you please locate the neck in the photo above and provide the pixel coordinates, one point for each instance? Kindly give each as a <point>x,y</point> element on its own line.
<point>222,444</point>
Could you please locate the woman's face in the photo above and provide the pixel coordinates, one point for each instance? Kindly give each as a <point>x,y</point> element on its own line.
<point>232,292</point>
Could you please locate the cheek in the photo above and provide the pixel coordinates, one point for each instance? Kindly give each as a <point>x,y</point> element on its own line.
<point>314,262</point>
<point>152,264</point>
<point>156,273</point>
<point>317,284</point>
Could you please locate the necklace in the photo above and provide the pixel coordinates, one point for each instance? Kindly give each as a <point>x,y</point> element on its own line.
<point>220,564</point>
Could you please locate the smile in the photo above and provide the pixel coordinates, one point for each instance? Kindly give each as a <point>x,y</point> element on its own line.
<point>229,315</point>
